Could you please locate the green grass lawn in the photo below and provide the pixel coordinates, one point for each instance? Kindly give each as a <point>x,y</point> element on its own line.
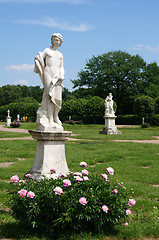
<point>135,164</point>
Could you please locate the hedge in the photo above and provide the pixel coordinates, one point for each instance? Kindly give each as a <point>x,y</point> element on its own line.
<point>128,120</point>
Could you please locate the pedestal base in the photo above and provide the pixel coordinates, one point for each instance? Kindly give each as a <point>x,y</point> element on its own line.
<point>50,153</point>
<point>110,127</point>
<point>8,121</point>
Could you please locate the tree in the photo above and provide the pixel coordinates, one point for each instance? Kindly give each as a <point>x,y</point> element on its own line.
<point>116,72</point>
<point>152,80</point>
<point>9,94</point>
<point>144,106</point>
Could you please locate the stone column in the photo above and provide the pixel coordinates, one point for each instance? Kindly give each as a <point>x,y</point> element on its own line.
<point>50,153</point>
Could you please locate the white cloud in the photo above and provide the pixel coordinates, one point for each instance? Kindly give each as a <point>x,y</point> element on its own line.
<point>50,22</point>
<point>149,48</point>
<point>23,67</point>
<point>45,1</point>
<point>21,82</point>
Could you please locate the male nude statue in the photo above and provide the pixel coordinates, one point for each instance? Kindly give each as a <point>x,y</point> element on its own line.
<point>49,66</point>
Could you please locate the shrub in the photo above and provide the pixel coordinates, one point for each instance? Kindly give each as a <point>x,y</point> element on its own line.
<point>145,125</point>
<point>144,106</point>
<point>15,124</point>
<point>128,120</point>
<point>72,122</point>
<point>75,202</point>
<point>154,120</point>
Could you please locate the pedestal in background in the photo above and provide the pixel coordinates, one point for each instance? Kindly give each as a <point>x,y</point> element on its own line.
<point>50,153</point>
<point>8,121</point>
<point>110,127</point>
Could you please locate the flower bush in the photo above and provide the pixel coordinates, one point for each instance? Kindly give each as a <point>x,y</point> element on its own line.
<point>15,124</point>
<point>71,203</point>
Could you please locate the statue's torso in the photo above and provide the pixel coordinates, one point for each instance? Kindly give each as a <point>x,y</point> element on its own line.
<point>53,62</point>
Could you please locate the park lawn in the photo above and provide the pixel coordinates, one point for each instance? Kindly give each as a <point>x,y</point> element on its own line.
<point>13,135</point>
<point>127,133</point>
<point>135,164</point>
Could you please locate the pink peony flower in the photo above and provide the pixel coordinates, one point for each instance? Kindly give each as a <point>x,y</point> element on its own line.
<point>22,192</point>
<point>115,191</point>
<point>66,183</point>
<point>14,178</point>
<point>79,179</point>
<point>31,194</point>
<point>110,170</point>
<point>78,174</point>
<point>83,200</point>
<point>58,190</point>
<point>105,208</point>
<point>128,211</point>
<point>131,202</point>
<point>35,203</point>
<point>83,164</point>
<point>124,188</point>
<point>85,178</point>
<point>85,172</point>
<point>53,170</point>
<point>121,183</point>
<point>28,175</point>
<point>63,175</point>
<point>104,176</point>
<point>125,224</point>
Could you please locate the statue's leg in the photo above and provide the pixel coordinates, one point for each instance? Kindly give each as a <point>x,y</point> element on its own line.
<point>56,118</point>
<point>50,111</point>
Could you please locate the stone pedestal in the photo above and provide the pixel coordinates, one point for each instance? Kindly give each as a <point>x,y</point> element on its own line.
<point>110,127</point>
<point>50,153</point>
<point>8,121</point>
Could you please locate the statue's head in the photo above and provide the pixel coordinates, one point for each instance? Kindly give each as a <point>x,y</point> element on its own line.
<point>110,95</point>
<point>58,35</point>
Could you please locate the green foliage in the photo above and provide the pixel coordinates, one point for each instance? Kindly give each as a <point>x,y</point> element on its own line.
<point>144,106</point>
<point>89,110</point>
<point>116,72</point>
<point>128,120</point>
<point>145,125</point>
<point>9,94</point>
<point>23,108</point>
<point>15,124</point>
<point>64,212</point>
<point>12,93</point>
<point>157,105</point>
<point>154,120</point>
<point>72,122</point>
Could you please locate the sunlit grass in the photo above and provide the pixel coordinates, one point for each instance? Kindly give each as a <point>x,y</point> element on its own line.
<point>135,164</point>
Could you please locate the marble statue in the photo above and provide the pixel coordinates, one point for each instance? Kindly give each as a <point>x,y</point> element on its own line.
<point>8,118</point>
<point>50,136</point>
<point>109,117</point>
<point>109,111</point>
<point>49,66</point>
<point>18,117</point>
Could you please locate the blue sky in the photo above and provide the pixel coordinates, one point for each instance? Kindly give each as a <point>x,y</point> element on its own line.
<point>89,27</point>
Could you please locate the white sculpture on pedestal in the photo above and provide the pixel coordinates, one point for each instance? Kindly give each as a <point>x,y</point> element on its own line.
<point>109,117</point>
<point>50,147</point>
<point>8,118</point>
<point>49,66</point>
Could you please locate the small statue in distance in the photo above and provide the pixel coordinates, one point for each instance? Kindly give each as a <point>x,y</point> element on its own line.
<point>109,111</point>
<point>49,66</point>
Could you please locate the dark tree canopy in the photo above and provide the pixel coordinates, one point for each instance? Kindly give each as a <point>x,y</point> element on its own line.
<point>117,72</point>
<point>12,93</point>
